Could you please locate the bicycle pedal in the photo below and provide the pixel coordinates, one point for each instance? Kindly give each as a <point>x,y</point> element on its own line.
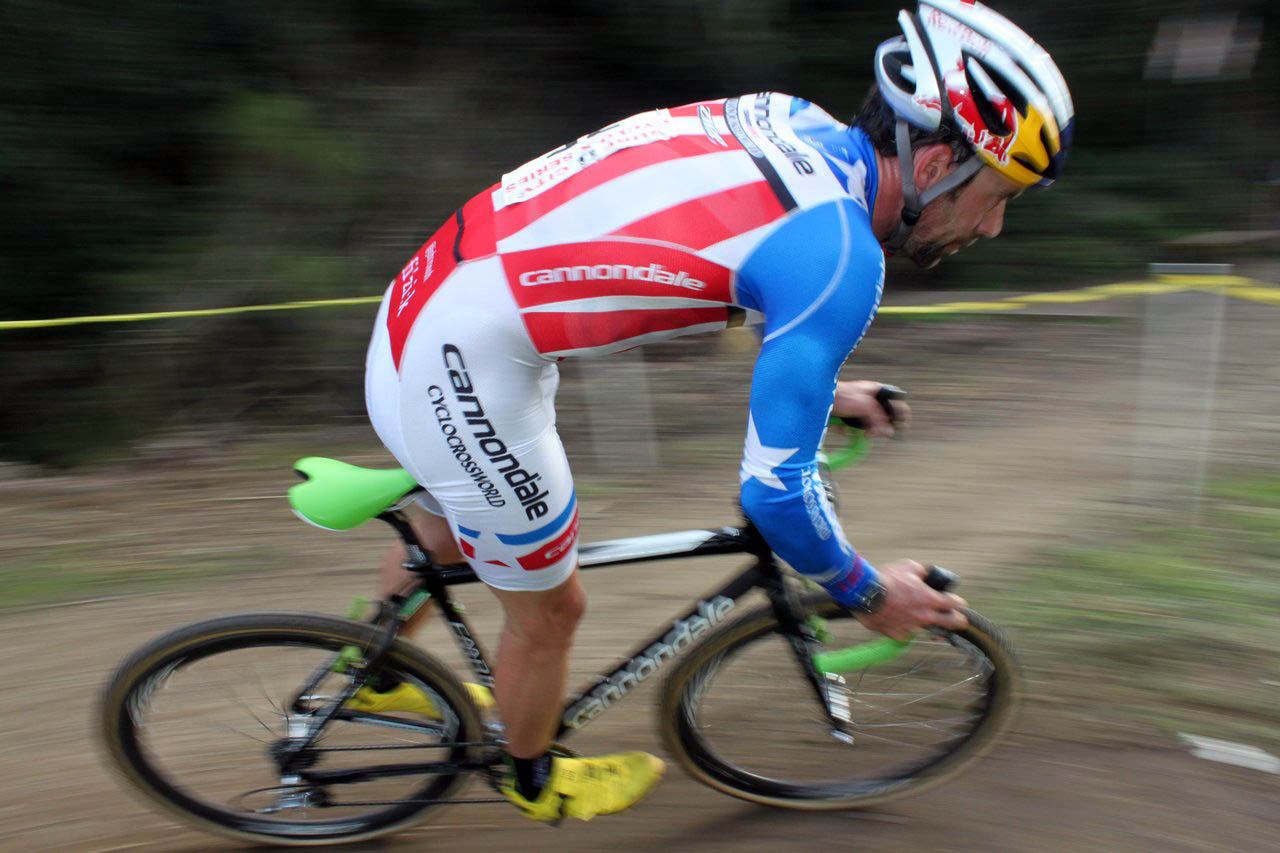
<point>563,751</point>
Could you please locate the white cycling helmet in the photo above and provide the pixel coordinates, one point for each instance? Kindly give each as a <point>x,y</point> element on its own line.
<point>960,62</point>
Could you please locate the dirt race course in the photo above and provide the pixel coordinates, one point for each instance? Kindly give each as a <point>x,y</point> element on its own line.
<point>1023,439</point>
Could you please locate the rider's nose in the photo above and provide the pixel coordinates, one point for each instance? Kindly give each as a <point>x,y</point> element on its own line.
<point>993,223</point>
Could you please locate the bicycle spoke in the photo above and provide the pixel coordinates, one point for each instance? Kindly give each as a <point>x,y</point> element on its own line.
<point>754,715</point>
<point>248,735</point>
<point>859,733</point>
<point>191,731</point>
<point>257,673</point>
<point>935,725</point>
<point>938,692</point>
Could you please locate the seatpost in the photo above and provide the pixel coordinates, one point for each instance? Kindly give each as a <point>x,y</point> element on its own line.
<point>417,556</point>
<point>406,601</point>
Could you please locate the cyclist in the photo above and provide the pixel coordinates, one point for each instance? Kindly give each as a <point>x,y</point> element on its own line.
<point>757,209</point>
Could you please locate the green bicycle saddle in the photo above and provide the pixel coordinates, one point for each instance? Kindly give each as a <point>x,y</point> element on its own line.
<point>338,496</point>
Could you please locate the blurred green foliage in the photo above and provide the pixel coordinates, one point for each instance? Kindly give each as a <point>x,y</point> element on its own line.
<point>160,156</point>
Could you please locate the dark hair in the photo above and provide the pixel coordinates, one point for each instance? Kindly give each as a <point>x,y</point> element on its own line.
<point>878,121</point>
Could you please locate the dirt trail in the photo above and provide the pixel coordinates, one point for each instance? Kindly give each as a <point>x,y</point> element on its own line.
<point>974,489</point>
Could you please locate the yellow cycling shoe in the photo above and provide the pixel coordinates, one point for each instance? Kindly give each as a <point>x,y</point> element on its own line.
<point>407,698</point>
<point>482,696</point>
<point>585,787</point>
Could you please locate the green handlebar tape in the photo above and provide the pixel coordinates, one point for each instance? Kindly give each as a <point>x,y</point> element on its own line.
<point>856,446</point>
<point>860,656</point>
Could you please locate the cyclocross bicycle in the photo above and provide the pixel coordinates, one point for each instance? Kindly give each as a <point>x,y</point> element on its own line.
<point>240,726</point>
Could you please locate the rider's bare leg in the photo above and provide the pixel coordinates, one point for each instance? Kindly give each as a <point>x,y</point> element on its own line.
<point>533,652</point>
<point>533,662</point>
<point>434,534</point>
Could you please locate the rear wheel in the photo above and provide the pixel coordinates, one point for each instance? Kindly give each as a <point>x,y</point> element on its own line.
<point>740,715</point>
<point>198,719</point>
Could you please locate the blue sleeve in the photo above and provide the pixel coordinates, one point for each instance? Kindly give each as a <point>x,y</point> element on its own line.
<point>817,280</point>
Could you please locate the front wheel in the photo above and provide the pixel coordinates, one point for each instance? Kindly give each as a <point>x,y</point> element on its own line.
<point>240,726</point>
<point>740,715</point>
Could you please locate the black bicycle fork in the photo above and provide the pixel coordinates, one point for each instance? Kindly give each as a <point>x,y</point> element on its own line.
<point>803,640</point>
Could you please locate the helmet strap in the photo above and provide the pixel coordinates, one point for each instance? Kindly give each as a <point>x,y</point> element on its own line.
<point>913,202</point>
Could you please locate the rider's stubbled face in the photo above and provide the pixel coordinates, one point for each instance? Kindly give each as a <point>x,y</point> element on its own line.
<point>961,218</point>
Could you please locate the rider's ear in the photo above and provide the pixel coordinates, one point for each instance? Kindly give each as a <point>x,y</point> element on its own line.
<point>932,162</point>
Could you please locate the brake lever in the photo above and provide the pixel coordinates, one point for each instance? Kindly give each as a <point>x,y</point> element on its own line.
<point>858,443</point>
<point>885,397</point>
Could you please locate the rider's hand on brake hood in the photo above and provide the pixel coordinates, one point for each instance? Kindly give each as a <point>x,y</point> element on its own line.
<point>910,605</point>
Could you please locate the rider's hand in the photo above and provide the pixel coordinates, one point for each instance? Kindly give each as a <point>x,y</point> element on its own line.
<point>857,399</point>
<point>909,605</point>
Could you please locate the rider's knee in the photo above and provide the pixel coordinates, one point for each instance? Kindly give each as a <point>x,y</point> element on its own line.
<point>571,606</point>
<point>564,610</point>
<point>554,618</point>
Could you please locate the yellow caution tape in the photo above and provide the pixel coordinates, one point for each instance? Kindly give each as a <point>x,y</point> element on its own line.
<point>195,312</point>
<point>1232,285</point>
<point>950,308</point>
<point>1255,293</point>
<point>1057,297</point>
<point>1141,288</point>
<point>1207,280</point>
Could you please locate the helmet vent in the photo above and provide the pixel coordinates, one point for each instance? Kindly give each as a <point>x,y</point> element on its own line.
<point>1050,171</point>
<point>899,71</point>
<point>1014,93</point>
<point>983,91</point>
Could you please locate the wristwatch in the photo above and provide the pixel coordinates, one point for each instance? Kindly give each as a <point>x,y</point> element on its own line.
<point>872,599</point>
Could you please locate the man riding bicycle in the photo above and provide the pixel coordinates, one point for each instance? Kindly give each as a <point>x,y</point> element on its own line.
<point>760,209</point>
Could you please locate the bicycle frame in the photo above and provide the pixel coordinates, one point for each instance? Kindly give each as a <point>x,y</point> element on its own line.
<point>647,658</point>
